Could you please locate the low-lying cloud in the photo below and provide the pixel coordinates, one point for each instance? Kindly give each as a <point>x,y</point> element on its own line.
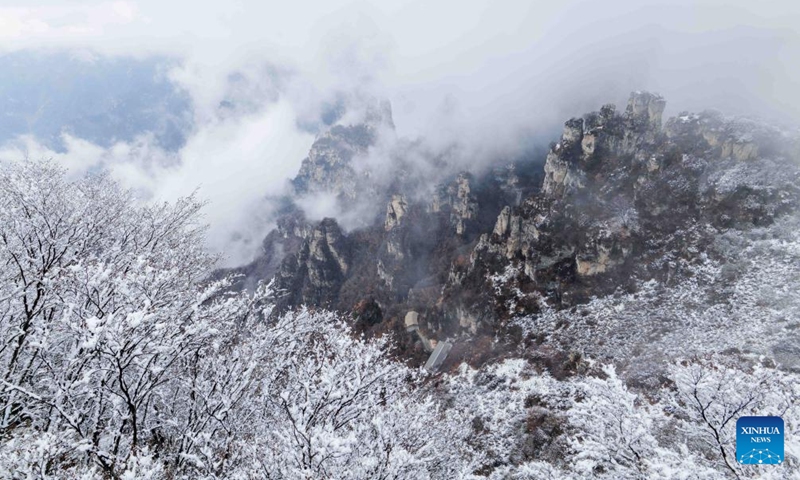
<point>488,76</point>
<point>237,164</point>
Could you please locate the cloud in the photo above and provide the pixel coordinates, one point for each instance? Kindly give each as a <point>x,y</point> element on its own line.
<point>488,76</point>
<point>492,59</point>
<point>55,21</point>
<point>236,164</point>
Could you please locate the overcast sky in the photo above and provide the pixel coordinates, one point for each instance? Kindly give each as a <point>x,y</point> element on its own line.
<point>486,74</point>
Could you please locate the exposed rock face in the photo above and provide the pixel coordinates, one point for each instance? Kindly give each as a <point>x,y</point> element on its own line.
<point>644,111</point>
<point>738,140</point>
<point>328,167</point>
<point>603,250</point>
<point>293,225</point>
<point>316,272</point>
<point>395,244</point>
<point>457,199</point>
<point>503,224</point>
<point>559,174</point>
<point>395,211</point>
<point>600,135</point>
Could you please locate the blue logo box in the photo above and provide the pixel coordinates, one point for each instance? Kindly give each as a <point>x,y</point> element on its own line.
<point>759,440</point>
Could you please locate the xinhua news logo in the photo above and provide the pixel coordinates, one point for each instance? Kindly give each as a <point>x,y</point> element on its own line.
<point>759,440</point>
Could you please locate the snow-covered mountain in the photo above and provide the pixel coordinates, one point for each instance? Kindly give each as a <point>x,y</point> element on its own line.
<point>607,308</point>
<point>624,208</point>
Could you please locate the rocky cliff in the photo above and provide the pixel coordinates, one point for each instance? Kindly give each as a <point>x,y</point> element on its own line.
<point>619,199</point>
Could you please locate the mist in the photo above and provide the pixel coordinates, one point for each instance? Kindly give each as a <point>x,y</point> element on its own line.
<point>487,80</point>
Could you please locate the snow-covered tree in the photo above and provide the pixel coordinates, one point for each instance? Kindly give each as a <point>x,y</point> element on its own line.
<point>101,309</point>
<point>712,393</point>
<point>119,360</point>
<point>337,408</point>
<point>593,425</point>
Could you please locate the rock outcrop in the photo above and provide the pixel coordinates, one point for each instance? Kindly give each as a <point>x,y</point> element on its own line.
<point>395,212</point>
<point>328,168</point>
<point>314,275</point>
<point>620,192</point>
<point>457,200</point>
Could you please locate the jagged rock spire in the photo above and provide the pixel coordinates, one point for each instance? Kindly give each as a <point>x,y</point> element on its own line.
<point>645,110</point>
<point>379,114</point>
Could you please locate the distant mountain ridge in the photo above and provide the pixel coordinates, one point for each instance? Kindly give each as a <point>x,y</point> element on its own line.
<point>99,99</point>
